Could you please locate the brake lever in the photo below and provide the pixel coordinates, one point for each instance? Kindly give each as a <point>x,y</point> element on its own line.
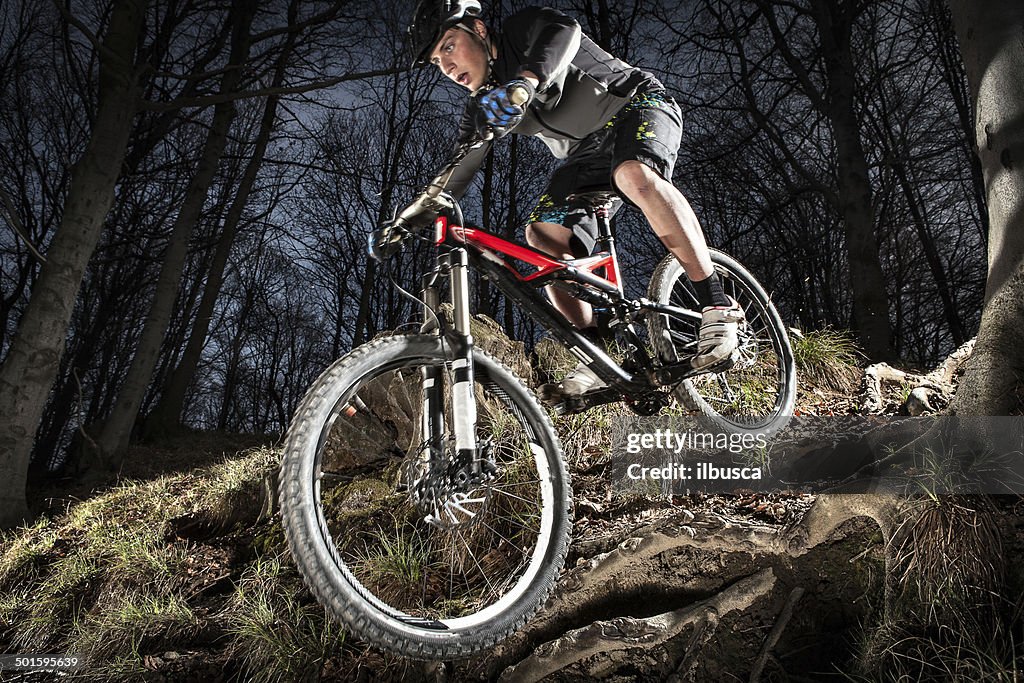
<point>385,240</point>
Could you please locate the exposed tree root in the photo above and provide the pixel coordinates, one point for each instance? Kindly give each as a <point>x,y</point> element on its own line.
<point>724,565</point>
<point>603,637</point>
<point>829,511</point>
<point>703,632</point>
<point>773,637</point>
<point>929,392</point>
<point>590,582</point>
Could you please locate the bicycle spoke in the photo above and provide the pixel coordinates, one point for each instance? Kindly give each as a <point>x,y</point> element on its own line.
<point>751,320</point>
<point>724,384</point>
<point>516,483</point>
<point>472,556</point>
<point>759,388</point>
<point>498,534</point>
<point>524,528</point>
<point>685,298</point>
<point>512,495</point>
<point>425,536</point>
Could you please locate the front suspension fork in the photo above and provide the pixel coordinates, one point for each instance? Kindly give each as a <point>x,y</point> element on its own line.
<point>460,342</point>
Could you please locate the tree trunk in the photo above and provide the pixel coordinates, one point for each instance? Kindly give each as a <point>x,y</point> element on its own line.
<point>233,367</point>
<point>990,33</point>
<point>513,216</point>
<point>483,289</point>
<point>867,282</point>
<point>118,427</point>
<point>167,414</point>
<point>16,286</point>
<point>34,356</point>
<point>959,91</point>
<point>918,212</point>
<point>363,330</point>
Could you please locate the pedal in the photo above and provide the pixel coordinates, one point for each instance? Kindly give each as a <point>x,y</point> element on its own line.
<point>550,394</point>
<point>571,405</point>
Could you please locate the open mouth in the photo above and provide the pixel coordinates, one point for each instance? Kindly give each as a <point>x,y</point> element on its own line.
<point>463,78</point>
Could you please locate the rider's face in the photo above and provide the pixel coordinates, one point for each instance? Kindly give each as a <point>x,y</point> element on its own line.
<point>461,57</point>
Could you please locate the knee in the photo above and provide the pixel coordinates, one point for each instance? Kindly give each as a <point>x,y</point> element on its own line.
<point>636,179</point>
<point>534,235</point>
<point>548,237</point>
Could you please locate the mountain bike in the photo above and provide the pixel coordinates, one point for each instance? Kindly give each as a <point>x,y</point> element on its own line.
<point>424,493</point>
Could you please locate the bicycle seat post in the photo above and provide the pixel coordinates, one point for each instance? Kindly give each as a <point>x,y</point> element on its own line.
<point>601,202</point>
<point>605,239</point>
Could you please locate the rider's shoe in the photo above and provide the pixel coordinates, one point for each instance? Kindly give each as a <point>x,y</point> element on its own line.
<point>576,383</point>
<point>580,381</point>
<point>719,337</point>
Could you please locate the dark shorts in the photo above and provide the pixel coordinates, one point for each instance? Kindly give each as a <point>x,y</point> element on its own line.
<point>647,129</point>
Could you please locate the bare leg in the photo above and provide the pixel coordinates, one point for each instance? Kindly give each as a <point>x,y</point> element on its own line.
<point>674,222</point>
<point>553,239</point>
<point>669,214</point>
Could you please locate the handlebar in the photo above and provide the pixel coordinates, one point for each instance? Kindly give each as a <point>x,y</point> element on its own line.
<point>388,238</point>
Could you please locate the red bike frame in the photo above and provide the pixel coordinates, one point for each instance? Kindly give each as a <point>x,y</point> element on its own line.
<point>602,267</point>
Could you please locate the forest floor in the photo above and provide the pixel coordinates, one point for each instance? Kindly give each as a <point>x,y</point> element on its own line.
<point>175,568</point>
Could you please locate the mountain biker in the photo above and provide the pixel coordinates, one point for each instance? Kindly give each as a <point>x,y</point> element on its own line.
<point>613,124</point>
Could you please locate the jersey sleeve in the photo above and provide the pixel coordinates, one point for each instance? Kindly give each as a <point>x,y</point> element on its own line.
<point>463,174</point>
<point>546,41</point>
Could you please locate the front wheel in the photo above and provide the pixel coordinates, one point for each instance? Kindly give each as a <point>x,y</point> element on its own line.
<point>398,540</point>
<point>758,393</point>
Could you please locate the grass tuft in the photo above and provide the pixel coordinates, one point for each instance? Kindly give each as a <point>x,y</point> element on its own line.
<point>26,550</point>
<point>139,620</point>
<point>277,631</point>
<point>827,358</point>
<point>951,619</point>
<point>950,554</point>
<point>394,564</point>
<point>896,654</point>
<point>104,580</point>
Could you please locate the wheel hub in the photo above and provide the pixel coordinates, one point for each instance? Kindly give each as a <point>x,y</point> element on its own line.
<point>452,498</point>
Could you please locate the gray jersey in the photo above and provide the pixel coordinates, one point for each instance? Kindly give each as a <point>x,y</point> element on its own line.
<point>581,86</point>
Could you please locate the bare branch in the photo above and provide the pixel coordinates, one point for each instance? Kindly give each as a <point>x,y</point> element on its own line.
<point>207,100</point>
<point>12,218</point>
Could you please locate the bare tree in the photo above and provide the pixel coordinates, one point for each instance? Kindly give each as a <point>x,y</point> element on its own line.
<point>776,88</point>
<point>34,355</point>
<point>927,234</point>
<point>780,54</point>
<point>990,41</point>
<point>117,428</point>
<point>168,411</point>
<point>133,76</point>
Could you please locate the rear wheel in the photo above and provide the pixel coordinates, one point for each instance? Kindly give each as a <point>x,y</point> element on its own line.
<point>759,392</point>
<point>425,561</point>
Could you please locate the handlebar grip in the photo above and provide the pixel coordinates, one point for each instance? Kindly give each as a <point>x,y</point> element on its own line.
<point>518,95</point>
<point>385,240</point>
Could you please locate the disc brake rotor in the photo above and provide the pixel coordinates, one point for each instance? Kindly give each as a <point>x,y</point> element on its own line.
<point>450,499</point>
